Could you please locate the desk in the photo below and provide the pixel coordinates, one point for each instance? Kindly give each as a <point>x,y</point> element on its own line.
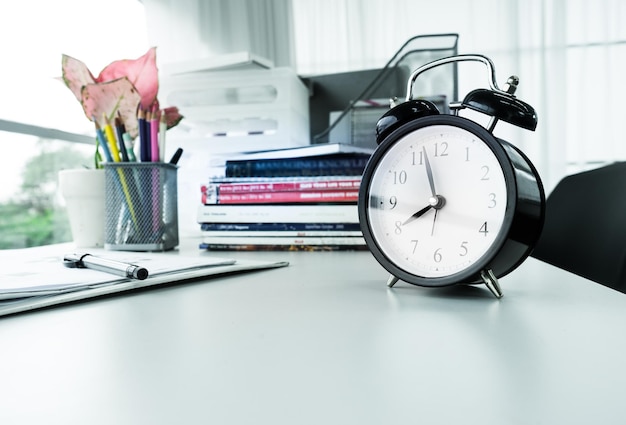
<point>323,341</point>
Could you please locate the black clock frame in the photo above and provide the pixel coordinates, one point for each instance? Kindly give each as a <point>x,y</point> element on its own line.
<point>524,216</point>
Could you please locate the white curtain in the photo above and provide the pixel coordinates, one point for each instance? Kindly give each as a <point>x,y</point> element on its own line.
<point>186,30</point>
<point>570,56</point>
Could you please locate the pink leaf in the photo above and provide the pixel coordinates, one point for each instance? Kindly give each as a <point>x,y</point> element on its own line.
<point>109,99</point>
<point>172,116</point>
<point>141,72</point>
<point>76,75</point>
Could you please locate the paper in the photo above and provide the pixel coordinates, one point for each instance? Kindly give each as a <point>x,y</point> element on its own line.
<point>40,270</point>
<point>34,278</point>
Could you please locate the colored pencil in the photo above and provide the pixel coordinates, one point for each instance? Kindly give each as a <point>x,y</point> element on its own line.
<point>102,140</point>
<point>119,131</point>
<point>130,147</point>
<point>108,131</point>
<point>162,130</point>
<point>154,135</point>
<point>144,141</point>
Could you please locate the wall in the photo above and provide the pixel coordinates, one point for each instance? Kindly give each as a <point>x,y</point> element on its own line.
<point>186,30</point>
<point>569,55</point>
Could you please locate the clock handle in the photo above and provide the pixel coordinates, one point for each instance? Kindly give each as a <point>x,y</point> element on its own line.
<point>491,281</point>
<point>459,58</point>
<point>499,104</point>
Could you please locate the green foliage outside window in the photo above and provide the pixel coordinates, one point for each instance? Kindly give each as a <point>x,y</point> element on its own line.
<point>34,216</point>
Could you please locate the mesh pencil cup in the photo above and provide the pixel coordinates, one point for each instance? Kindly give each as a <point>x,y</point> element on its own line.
<point>141,206</point>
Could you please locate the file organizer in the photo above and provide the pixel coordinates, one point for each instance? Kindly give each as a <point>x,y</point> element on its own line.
<point>240,110</point>
<point>141,211</point>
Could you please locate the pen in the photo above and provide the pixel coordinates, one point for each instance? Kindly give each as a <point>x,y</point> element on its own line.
<point>176,156</point>
<point>88,261</point>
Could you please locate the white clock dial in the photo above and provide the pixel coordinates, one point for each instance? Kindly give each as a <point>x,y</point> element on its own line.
<point>437,201</point>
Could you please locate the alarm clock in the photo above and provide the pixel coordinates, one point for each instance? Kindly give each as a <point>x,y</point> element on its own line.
<point>442,200</point>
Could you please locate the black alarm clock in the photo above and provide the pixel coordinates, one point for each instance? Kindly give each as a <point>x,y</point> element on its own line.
<point>442,200</point>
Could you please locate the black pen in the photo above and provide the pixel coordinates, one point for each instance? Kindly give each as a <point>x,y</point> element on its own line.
<point>176,156</point>
<point>88,261</point>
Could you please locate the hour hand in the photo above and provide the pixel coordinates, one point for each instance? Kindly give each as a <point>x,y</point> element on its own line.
<point>418,214</point>
<point>436,202</point>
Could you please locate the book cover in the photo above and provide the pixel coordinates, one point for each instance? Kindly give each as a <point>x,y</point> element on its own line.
<point>304,151</point>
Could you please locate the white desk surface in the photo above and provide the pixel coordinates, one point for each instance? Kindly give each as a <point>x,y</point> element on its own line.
<point>323,341</point>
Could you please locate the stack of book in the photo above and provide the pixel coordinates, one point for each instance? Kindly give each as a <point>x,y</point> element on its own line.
<point>289,199</point>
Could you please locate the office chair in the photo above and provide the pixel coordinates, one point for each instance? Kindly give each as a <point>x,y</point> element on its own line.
<point>585,226</point>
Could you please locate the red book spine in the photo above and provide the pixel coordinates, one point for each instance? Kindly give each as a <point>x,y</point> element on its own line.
<point>286,197</point>
<point>348,184</point>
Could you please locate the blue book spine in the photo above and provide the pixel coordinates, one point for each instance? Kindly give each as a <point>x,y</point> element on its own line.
<point>349,164</point>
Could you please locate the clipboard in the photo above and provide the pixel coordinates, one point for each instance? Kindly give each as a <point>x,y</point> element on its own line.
<point>35,278</point>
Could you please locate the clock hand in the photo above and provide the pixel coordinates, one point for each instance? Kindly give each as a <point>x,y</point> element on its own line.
<point>435,202</point>
<point>418,214</point>
<point>432,231</point>
<point>440,201</point>
<point>429,173</point>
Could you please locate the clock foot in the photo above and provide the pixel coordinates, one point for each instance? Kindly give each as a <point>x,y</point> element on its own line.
<point>392,280</point>
<point>492,282</point>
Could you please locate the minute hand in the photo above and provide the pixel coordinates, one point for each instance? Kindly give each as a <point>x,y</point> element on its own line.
<point>429,173</point>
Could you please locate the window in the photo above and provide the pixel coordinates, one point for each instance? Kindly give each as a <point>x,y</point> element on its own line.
<point>42,125</point>
<point>569,55</point>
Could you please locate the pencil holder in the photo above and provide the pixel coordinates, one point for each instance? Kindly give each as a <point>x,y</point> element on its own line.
<point>141,211</point>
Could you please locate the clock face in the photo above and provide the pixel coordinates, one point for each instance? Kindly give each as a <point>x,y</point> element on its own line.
<point>436,200</point>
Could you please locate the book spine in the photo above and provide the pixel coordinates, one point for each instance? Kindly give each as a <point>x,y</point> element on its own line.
<point>252,247</point>
<point>280,233</point>
<point>281,197</point>
<point>315,213</point>
<point>333,165</point>
<point>286,240</point>
<point>281,227</point>
<point>284,186</point>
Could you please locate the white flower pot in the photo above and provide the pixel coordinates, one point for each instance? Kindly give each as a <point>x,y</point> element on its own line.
<point>83,192</point>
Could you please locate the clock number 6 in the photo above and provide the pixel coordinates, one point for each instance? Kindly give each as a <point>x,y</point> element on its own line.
<point>437,256</point>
